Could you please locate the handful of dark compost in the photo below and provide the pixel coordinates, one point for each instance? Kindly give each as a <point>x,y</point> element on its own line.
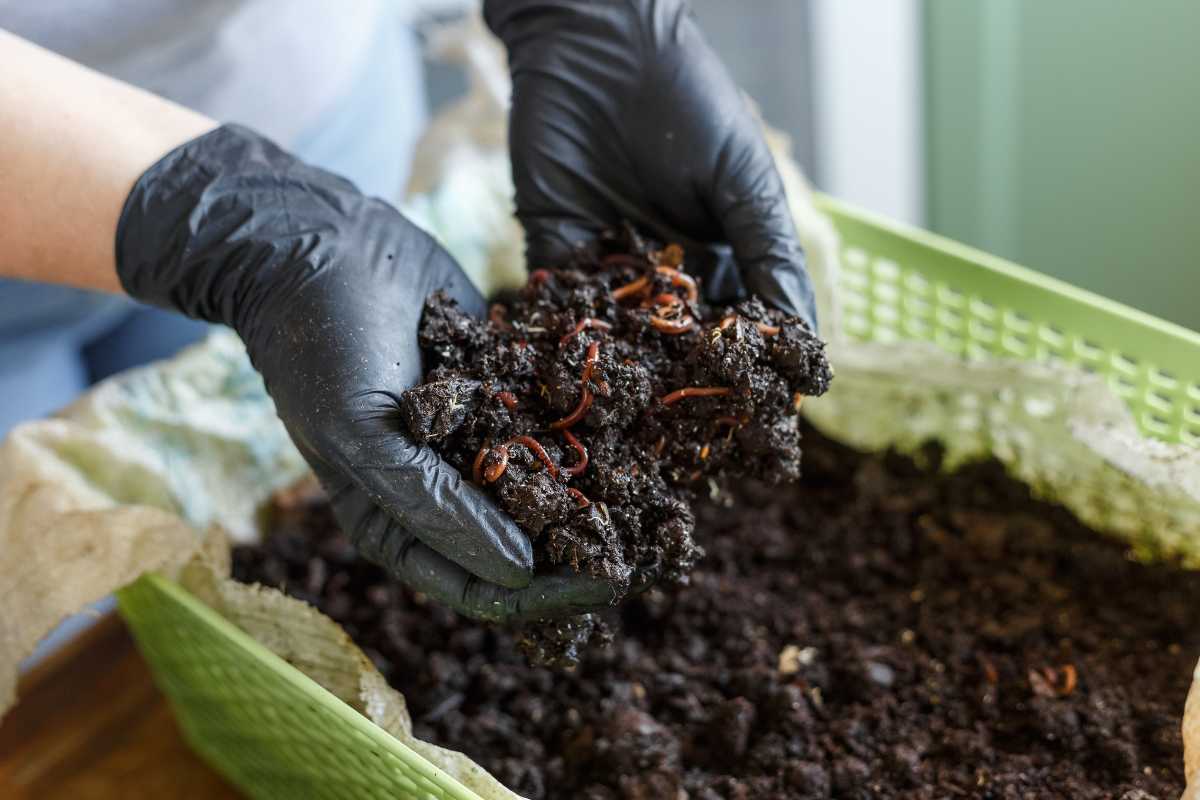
<point>599,399</point>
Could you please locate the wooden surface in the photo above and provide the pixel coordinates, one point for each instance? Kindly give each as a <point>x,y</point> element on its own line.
<point>91,725</point>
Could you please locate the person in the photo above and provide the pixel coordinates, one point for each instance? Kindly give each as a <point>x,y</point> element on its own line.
<point>620,112</point>
<point>341,88</point>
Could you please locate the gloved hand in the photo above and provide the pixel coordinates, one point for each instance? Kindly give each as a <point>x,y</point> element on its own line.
<point>325,287</point>
<point>622,111</point>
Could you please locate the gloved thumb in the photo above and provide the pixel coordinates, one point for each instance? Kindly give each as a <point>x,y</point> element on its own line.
<point>430,500</point>
<point>550,240</point>
<point>750,202</point>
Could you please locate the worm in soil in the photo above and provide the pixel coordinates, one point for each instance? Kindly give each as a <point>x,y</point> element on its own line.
<point>695,391</point>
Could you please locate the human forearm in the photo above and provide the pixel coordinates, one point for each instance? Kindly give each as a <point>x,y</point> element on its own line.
<point>73,144</point>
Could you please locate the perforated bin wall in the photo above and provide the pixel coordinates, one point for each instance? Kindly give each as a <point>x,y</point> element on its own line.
<point>902,283</point>
<point>262,723</point>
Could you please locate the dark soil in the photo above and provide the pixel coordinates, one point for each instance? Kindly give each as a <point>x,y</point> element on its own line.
<point>878,630</point>
<point>600,399</point>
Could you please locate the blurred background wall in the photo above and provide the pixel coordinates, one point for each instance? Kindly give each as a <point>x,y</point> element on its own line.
<point>1062,134</point>
<point>1065,134</point>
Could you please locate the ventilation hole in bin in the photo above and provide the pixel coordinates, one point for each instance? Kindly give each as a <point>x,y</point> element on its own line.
<point>950,297</point>
<point>855,281</point>
<point>857,324</point>
<point>917,306</point>
<point>854,301</point>
<point>1192,416</point>
<point>855,258</point>
<point>886,314</point>
<point>977,350</point>
<point>915,283</point>
<point>1162,378</point>
<point>1122,386</point>
<point>984,310</point>
<point>917,328</point>
<point>1159,402</point>
<point>1015,344</point>
<point>1156,424</point>
<point>886,270</point>
<point>1053,335</point>
<point>949,318</point>
<point>886,293</point>
<point>1016,321</point>
<point>1087,350</point>
<point>949,340</point>
<point>885,334</point>
<point>1193,391</point>
<point>981,331</point>
<point>1124,363</point>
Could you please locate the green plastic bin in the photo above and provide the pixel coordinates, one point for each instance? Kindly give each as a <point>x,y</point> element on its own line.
<point>277,734</point>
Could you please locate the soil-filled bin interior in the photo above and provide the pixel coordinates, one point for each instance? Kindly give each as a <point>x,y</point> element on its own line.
<point>879,629</point>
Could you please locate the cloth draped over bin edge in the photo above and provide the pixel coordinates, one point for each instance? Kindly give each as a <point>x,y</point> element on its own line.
<point>133,476</point>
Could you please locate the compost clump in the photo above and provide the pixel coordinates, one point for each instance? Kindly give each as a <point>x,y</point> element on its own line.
<point>596,402</point>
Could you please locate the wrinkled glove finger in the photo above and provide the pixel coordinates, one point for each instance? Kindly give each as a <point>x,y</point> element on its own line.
<point>749,200</point>
<point>411,488</point>
<point>381,539</point>
<point>550,240</point>
<point>546,597</point>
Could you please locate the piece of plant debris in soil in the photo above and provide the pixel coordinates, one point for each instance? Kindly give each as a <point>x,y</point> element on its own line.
<point>598,400</point>
<point>879,629</point>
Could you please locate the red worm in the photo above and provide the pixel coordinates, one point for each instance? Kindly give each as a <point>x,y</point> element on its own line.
<point>763,328</point>
<point>585,403</point>
<point>631,288</point>
<point>672,327</point>
<point>537,450</point>
<point>733,422</point>
<point>508,398</point>
<point>580,449</point>
<point>671,256</point>
<point>539,276</point>
<point>585,396</point>
<point>695,391</point>
<point>475,469</point>
<point>580,498</point>
<point>668,306</point>
<point>586,322</point>
<point>498,315</point>
<point>589,361</point>
<point>492,472</point>
<point>679,279</point>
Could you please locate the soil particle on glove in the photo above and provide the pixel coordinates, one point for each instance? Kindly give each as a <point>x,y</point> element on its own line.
<point>879,630</point>
<point>598,401</point>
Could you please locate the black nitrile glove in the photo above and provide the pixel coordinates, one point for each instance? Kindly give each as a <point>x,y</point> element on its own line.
<point>622,111</point>
<point>326,286</point>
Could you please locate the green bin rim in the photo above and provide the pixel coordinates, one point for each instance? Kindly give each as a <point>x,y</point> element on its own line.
<point>1003,267</point>
<point>235,637</point>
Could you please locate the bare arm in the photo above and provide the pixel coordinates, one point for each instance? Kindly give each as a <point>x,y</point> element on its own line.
<point>72,144</point>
